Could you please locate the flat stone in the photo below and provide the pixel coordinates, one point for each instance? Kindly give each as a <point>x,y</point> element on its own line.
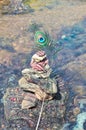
<point>29,101</point>
<point>28,86</point>
<point>41,95</point>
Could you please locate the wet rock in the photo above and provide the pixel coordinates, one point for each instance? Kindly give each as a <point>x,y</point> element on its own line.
<point>41,95</point>
<point>29,101</point>
<point>28,86</point>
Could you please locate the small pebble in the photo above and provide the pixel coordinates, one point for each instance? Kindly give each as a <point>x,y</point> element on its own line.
<point>76,111</point>
<point>31,123</point>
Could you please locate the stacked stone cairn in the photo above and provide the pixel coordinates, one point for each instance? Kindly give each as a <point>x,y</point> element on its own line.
<point>36,81</point>
<point>23,103</point>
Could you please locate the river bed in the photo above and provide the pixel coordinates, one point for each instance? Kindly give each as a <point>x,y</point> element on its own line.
<point>66,24</point>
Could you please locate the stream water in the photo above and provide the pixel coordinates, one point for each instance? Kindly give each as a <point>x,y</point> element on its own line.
<point>69,62</point>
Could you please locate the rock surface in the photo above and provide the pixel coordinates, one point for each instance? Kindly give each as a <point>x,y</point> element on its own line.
<point>53,111</point>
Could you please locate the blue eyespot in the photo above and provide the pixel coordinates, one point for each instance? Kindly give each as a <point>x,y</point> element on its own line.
<point>41,39</point>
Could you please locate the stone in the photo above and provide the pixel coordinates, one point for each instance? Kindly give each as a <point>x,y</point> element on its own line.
<point>28,86</point>
<point>29,101</point>
<point>39,56</point>
<point>76,111</point>
<point>30,73</point>
<point>48,85</point>
<point>31,87</point>
<point>37,78</point>
<point>39,61</point>
<point>41,95</point>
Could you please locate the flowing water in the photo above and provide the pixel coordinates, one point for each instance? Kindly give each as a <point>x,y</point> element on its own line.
<point>66,24</point>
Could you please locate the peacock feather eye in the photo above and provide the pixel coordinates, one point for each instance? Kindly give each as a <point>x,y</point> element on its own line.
<point>41,39</point>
